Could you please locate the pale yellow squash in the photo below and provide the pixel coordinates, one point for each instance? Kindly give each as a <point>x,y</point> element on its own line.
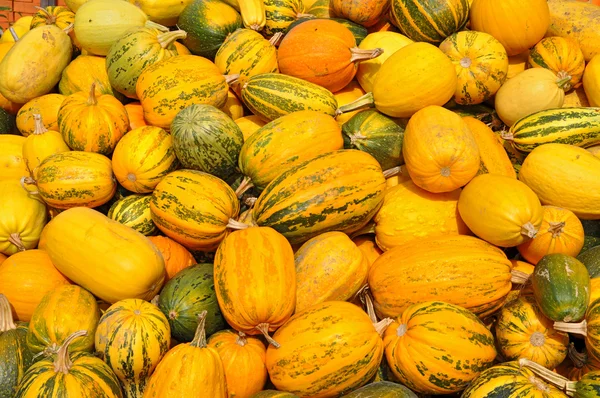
<point>591,81</point>
<point>164,12</point>
<point>12,164</point>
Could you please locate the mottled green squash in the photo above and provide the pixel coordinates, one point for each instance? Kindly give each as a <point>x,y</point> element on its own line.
<point>134,211</point>
<point>7,123</point>
<point>382,389</point>
<point>280,14</point>
<point>591,259</point>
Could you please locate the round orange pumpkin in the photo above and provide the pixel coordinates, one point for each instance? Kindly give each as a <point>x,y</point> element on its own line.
<point>135,112</point>
<point>364,12</point>
<point>175,255</point>
<point>323,52</point>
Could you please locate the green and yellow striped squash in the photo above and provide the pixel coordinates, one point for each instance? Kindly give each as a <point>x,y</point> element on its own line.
<point>267,153</point>
<point>326,350</point>
<point>132,337</point>
<point>206,139</point>
<point>430,21</point>
<point>187,294</point>
<point>273,394</point>
<point>272,95</point>
<point>175,83</point>
<point>208,23</point>
<point>320,8</point>
<point>132,53</point>
<point>510,380</point>
<point>587,387</point>
<point>379,136</point>
<point>336,191</point>
<point>134,211</point>
<point>194,208</point>
<point>573,126</point>
<point>63,311</point>
<point>79,375</point>
<point>75,179</point>
<point>247,53</point>
<point>82,72</point>
<point>589,328</point>
<point>438,348</point>
<point>53,15</point>
<point>15,357</point>
<point>382,389</point>
<point>281,14</point>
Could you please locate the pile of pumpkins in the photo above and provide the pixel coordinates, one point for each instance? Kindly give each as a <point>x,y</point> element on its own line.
<point>300,198</point>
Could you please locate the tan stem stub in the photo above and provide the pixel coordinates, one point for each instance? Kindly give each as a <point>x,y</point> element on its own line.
<point>241,339</point>
<point>39,125</point>
<point>251,201</point>
<point>466,62</point>
<point>354,138</point>
<point>244,186</point>
<point>539,384</point>
<point>63,363</point>
<point>304,15</point>
<point>507,136</point>
<point>543,373</point>
<point>69,28</point>
<point>556,228</point>
<point>155,299</point>
<point>445,171</point>
<point>166,39</point>
<point>264,329</point>
<point>6,318</point>
<point>200,335</point>
<point>394,171</point>
<point>382,325</point>
<point>563,80</point>
<point>15,239</point>
<point>575,328</point>
<point>231,79</point>
<point>237,225</point>
<point>358,54</point>
<point>92,100</point>
<point>364,295</point>
<point>519,277</point>
<point>274,41</point>
<point>529,230</point>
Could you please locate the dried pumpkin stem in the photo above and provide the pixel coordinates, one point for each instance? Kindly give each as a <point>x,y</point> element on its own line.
<point>200,335</point>
<point>545,374</point>
<point>166,39</point>
<point>365,100</point>
<point>382,325</point>
<point>579,359</point>
<point>237,225</point>
<point>394,171</point>
<point>358,54</point>
<point>251,201</point>
<point>6,319</point>
<point>13,33</point>
<point>264,329</point>
<point>575,328</point>
<point>15,239</point>
<point>39,125</point>
<point>241,339</point>
<point>507,136</point>
<point>231,79</point>
<point>50,19</point>
<point>28,181</point>
<point>556,228</point>
<point>274,41</point>
<point>245,185</point>
<point>63,363</point>
<point>304,15</point>
<point>155,299</point>
<point>150,24</point>
<point>92,100</point>
<point>365,298</point>
<point>518,277</point>
<point>563,81</point>
<point>529,230</point>
<point>69,28</point>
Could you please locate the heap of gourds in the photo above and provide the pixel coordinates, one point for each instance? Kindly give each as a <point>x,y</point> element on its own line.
<point>300,198</point>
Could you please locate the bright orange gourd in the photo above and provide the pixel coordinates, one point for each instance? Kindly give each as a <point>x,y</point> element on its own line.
<point>364,12</point>
<point>591,81</point>
<point>369,248</point>
<point>175,255</point>
<point>323,52</point>
<point>440,152</point>
<point>561,56</point>
<point>135,112</point>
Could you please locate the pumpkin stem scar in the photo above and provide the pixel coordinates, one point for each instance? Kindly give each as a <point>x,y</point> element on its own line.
<point>264,329</point>
<point>63,363</point>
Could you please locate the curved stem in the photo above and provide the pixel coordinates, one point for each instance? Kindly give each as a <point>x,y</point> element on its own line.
<point>150,24</point>
<point>15,239</point>
<point>507,136</point>
<point>274,41</point>
<point>366,300</point>
<point>13,33</point>
<point>245,185</point>
<point>556,228</point>
<point>545,374</point>
<point>579,359</point>
<point>251,201</point>
<point>200,335</point>
<point>39,125</point>
<point>359,54</point>
<point>92,100</point>
<point>394,171</point>
<point>6,319</point>
<point>264,329</point>
<point>529,230</point>
<point>575,328</point>
<point>241,339</point>
<point>382,325</point>
<point>233,224</point>
<point>50,19</point>
<point>231,79</point>
<point>365,100</point>
<point>519,277</point>
<point>63,363</point>
<point>69,28</point>
<point>28,181</point>
<point>166,39</point>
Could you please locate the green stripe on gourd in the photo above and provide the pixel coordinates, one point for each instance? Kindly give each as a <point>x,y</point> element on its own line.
<point>280,14</point>
<point>134,211</point>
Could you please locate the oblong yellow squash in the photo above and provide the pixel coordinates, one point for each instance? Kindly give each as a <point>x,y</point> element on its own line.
<point>12,164</point>
<point>591,81</point>
<point>564,176</point>
<point>329,267</point>
<point>460,270</point>
<point>109,259</point>
<point>500,210</point>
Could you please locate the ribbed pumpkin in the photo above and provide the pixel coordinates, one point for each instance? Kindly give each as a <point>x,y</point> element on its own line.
<point>561,56</point>
<point>409,213</point>
<point>174,83</point>
<point>428,20</point>
<point>41,144</point>
<point>187,294</point>
<point>247,53</point>
<point>260,298</point>
<point>206,139</point>
<point>560,232</point>
<point>243,360</point>
<point>134,211</point>
<point>494,159</point>
<point>473,274</point>
<point>329,267</point>
<point>280,14</point>
<point>15,357</point>
<point>161,11</point>
<point>80,374</point>
<point>53,15</point>
<point>326,350</point>
<point>327,51</point>
<point>63,311</point>
<point>366,13</point>
<point>47,106</point>
<point>481,65</point>
<point>591,81</point>
<point>189,370</point>
<point>22,218</point>
<point>194,208</point>
<point>11,157</point>
<point>135,113</point>
<point>73,179</point>
<point>268,153</point>
<point>339,190</point>
<point>121,263</point>
<point>455,344</point>
<point>135,51</point>
<point>82,72</point>
<point>25,278</point>
<point>176,256</point>
<point>249,125</point>
<point>513,213</point>
<point>440,152</point>
<point>143,157</point>
<point>523,331</point>
<point>132,337</point>
<point>518,25</point>
<point>92,123</point>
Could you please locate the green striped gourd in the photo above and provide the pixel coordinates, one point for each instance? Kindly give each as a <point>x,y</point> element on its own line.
<point>587,387</point>
<point>272,95</point>
<point>187,294</point>
<point>134,211</point>
<point>377,135</point>
<point>336,191</point>
<point>206,139</point>
<point>430,21</point>
<point>132,337</point>
<point>573,126</point>
<point>246,52</point>
<point>281,14</point>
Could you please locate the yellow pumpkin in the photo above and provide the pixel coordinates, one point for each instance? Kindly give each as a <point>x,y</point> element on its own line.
<point>233,106</point>
<point>329,267</point>
<point>481,65</point>
<point>500,210</point>
<point>440,152</point>
<point>561,56</point>
<point>591,81</point>
<point>351,92</point>
<point>368,247</point>
<point>21,26</point>
<point>560,232</point>
<point>517,24</point>
<point>82,72</point>
<point>41,144</point>
<point>389,42</point>
<point>530,91</point>
<point>164,12</point>
<point>46,106</point>
<point>22,218</point>
<point>249,125</point>
<point>12,164</point>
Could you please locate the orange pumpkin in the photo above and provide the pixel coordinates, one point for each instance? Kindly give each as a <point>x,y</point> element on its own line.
<point>135,112</point>
<point>2,258</point>
<point>46,106</point>
<point>367,245</point>
<point>364,12</point>
<point>175,255</point>
<point>323,52</point>
<point>561,232</point>
<point>440,151</point>
<point>562,56</point>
